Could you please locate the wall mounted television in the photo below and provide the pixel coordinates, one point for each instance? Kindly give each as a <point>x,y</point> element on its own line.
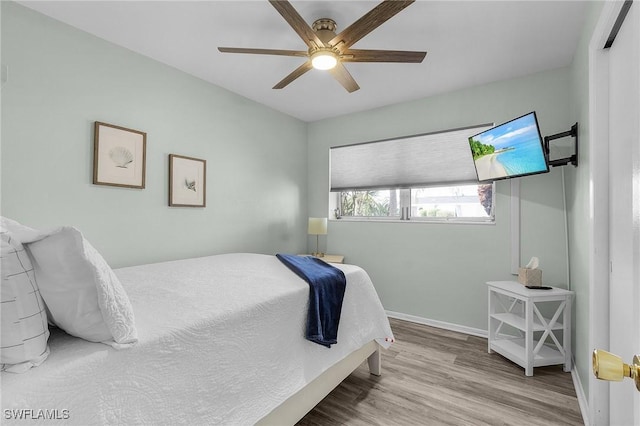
<point>509,150</point>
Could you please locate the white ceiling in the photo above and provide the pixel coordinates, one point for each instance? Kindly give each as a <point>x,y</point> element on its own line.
<point>468,43</point>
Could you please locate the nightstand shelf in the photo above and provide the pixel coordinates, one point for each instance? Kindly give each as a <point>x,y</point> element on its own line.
<point>531,339</point>
<point>519,322</point>
<point>512,348</point>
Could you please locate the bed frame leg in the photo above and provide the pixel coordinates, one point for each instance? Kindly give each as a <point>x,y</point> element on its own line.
<point>375,363</point>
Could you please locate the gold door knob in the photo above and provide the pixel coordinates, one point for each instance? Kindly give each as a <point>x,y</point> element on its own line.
<point>607,366</point>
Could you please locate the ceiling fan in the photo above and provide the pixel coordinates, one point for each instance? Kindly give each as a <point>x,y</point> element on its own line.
<point>328,51</point>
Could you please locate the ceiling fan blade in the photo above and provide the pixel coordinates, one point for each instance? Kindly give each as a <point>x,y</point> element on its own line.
<point>296,22</point>
<point>295,74</point>
<point>264,51</point>
<point>360,55</point>
<point>340,73</point>
<point>369,22</point>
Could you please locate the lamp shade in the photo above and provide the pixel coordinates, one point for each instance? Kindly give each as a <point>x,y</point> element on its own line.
<point>317,226</point>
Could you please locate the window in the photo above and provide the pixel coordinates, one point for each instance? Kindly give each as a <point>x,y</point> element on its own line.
<point>445,203</point>
<point>464,201</point>
<point>435,170</point>
<point>379,203</point>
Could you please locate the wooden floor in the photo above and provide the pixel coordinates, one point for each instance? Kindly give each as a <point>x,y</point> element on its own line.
<point>432,376</point>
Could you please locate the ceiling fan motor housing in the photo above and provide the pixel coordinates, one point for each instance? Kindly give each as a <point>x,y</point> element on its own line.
<point>325,28</point>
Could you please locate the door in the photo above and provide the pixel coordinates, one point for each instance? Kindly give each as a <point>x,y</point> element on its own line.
<point>624,213</point>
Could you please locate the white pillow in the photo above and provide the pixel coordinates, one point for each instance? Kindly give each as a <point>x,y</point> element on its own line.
<point>14,227</point>
<point>24,329</point>
<point>82,293</point>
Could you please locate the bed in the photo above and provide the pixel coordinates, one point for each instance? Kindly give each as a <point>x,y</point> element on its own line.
<point>220,341</point>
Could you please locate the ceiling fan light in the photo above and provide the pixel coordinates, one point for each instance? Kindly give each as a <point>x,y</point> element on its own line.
<point>324,60</point>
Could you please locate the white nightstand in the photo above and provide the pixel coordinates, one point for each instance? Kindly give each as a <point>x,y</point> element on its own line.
<point>535,340</point>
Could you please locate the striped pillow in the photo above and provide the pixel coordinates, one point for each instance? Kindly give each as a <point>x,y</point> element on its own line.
<point>24,328</point>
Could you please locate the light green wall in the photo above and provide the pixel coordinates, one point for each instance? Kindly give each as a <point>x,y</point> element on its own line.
<point>578,199</point>
<point>438,271</point>
<point>61,80</point>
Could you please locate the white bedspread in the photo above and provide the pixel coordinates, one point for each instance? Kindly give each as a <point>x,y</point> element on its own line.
<point>221,341</point>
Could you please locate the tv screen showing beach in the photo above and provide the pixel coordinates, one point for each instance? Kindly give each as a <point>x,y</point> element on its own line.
<point>509,150</point>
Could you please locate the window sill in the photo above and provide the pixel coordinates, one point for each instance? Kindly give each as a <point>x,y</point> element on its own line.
<point>443,221</point>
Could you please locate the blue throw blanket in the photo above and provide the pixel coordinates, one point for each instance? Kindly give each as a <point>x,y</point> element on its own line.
<point>327,285</point>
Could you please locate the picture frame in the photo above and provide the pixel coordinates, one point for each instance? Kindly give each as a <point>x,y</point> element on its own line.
<point>119,156</point>
<point>187,181</point>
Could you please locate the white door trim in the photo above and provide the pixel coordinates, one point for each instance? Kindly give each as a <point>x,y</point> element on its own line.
<point>599,205</point>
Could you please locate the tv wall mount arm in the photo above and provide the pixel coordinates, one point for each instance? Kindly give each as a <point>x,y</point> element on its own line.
<point>573,159</point>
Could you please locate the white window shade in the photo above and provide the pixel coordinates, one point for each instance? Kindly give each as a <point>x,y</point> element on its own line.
<point>440,158</point>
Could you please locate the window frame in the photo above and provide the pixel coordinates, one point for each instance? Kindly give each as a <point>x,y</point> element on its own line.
<point>404,201</point>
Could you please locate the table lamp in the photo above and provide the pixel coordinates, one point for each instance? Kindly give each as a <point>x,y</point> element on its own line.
<point>317,226</point>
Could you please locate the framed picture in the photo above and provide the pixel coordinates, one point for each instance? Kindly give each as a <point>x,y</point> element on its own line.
<point>187,181</point>
<point>119,156</point>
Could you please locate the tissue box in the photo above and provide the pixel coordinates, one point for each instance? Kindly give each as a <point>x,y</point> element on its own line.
<point>530,277</point>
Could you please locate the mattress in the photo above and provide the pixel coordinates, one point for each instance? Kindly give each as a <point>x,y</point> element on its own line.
<point>221,341</point>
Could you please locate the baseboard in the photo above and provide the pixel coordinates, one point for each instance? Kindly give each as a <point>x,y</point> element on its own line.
<point>439,324</point>
<point>582,399</point>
